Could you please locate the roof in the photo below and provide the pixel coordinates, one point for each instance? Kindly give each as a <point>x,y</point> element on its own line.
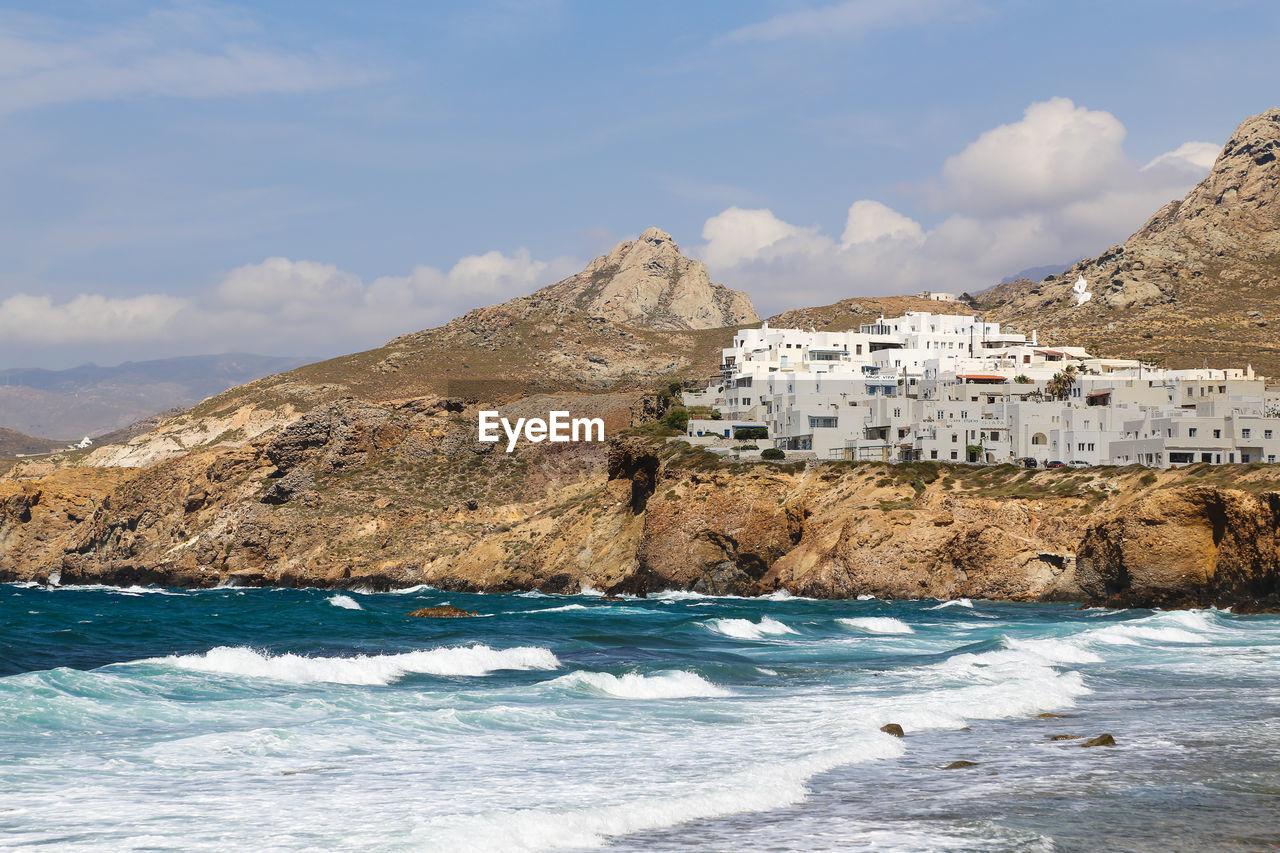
<point>992,376</point>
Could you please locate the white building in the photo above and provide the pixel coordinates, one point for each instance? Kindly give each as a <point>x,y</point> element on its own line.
<point>956,388</point>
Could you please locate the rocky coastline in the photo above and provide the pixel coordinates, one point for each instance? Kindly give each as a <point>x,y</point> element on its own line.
<point>360,496</point>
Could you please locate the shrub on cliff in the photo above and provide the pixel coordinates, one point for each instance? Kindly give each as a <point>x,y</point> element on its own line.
<point>772,453</point>
<point>677,419</point>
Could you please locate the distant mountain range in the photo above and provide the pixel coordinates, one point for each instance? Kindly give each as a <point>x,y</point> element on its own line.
<point>92,400</point>
<point>1035,273</point>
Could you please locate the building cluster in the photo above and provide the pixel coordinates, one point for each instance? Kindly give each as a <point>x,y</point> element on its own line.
<point>956,388</point>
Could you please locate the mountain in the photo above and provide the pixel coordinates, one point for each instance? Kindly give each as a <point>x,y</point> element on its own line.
<point>639,314</point>
<point>1198,283</point>
<point>366,471</point>
<point>92,400</point>
<point>1035,273</point>
<point>16,444</point>
<point>649,283</point>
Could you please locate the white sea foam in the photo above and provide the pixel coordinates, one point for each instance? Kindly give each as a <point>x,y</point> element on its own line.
<point>346,602</point>
<point>362,669</point>
<point>866,597</point>
<point>115,590</point>
<point>670,684</point>
<point>745,629</point>
<point>1129,634</point>
<point>955,602</point>
<point>563,609</point>
<point>876,624</point>
<point>409,590</point>
<point>764,787</point>
<point>589,590</point>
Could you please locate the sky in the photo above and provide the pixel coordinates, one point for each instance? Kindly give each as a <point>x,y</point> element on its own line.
<point>312,178</point>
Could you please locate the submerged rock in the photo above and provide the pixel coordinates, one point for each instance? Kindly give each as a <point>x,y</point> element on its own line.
<point>1101,740</point>
<point>1064,737</point>
<point>960,765</point>
<point>443,612</point>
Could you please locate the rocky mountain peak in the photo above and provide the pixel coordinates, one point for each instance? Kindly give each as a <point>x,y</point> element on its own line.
<point>1240,198</point>
<point>648,282</point>
<point>1198,283</point>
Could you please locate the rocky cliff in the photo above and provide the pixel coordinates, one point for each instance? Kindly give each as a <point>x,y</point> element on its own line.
<point>1200,281</point>
<point>648,282</point>
<point>360,495</point>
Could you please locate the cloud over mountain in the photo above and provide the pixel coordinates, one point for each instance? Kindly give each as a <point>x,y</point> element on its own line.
<point>1056,184</point>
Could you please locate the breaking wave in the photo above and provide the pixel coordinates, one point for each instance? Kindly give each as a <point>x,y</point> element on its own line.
<point>346,602</point>
<point>361,669</point>
<point>876,624</point>
<point>672,684</point>
<point>745,629</point>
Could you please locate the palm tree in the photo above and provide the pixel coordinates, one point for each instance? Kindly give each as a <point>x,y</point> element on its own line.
<point>1059,387</point>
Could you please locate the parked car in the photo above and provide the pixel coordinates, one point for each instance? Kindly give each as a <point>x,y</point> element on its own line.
<point>1076,463</point>
<point>1055,464</point>
<point>1028,462</point>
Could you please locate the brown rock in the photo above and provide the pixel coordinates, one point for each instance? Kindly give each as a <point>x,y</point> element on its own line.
<point>1101,740</point>
<point>1064,737</point>
<point>893,729</point>
<point>442,612</point>
<point>960,765</point>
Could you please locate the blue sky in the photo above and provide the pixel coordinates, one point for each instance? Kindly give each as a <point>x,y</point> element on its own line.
<point>310,178</point>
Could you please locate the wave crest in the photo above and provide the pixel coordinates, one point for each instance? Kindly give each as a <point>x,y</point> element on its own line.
<point>745,629</point>
<point>361,669</point>
<point>876,624</point>
<point>671,684</point>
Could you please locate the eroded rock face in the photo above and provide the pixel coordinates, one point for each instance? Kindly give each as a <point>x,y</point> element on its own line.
<point>1190,546</point>
<point>648,282</point>
<point>397,495</point>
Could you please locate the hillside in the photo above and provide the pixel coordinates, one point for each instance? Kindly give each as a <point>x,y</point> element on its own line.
<point>14,443</point>
<point>1200,282</point>
<point>636,315</point>
<point>92,400</point>
<point>365,469</point>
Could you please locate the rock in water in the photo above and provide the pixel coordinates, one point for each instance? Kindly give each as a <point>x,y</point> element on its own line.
<point>960,765</point>
<point>893,729</point>
<point>1101,740</point>
<point>1064,737</point>
<point>444,612</point>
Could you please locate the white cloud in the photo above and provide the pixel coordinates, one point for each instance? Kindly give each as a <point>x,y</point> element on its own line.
<point>737,235</point>
<point>279,282</point>
<point>869,221</point>
<point>1058,152</point>
<point>280,306</point>
<point>1055,186</point>
<point>850,19</point>
<point>1189,156</point>
<point>88,318</point>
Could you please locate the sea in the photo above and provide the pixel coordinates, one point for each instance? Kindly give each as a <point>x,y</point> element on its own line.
<point>302,719</point>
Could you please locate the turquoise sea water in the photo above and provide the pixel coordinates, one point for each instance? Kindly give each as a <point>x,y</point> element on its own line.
<point>237,719</point>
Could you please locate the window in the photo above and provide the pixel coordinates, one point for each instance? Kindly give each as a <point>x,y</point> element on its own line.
<point>1191,432</point>
<point>1245,433</point>
<point>1266,433</point>
<point>1217,433</point>
<point>933,454</point>
<point>1244,457</point>
<point>954,455</point>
